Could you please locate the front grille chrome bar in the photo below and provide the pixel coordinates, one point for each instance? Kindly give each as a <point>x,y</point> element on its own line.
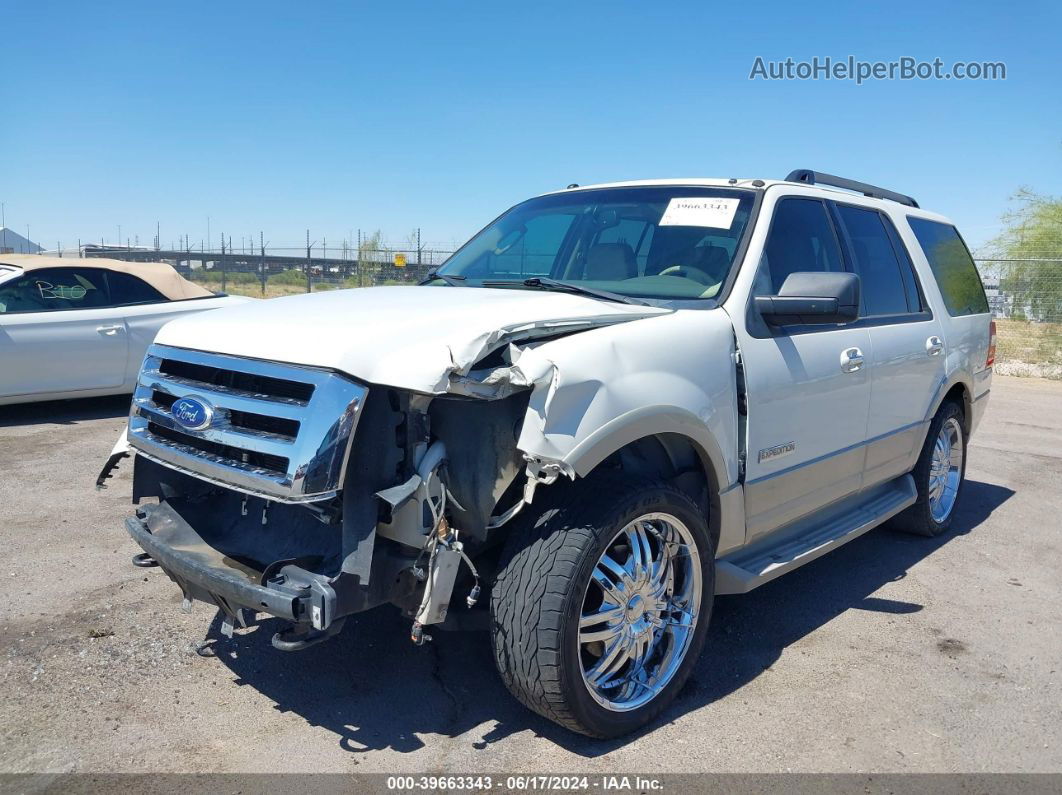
<point>305,465</point>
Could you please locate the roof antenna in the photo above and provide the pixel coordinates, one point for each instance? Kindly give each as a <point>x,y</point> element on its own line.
<point>573,185</point>
<point>732,180</point>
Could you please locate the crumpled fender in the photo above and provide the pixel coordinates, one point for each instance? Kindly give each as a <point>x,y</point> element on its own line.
<point>597,391</point>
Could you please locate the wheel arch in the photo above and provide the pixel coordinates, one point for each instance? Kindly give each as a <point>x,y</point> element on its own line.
<point>958,390</point>
<point>678,441</point>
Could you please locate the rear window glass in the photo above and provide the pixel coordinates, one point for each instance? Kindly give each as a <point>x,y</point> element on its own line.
<point>952,265</point>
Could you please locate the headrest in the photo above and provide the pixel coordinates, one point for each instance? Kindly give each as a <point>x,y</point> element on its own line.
<point>611,262</point>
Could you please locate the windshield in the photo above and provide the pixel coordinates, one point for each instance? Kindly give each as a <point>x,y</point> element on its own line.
<point>669,242</point>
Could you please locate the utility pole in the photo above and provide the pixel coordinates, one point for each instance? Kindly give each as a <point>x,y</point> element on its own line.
<point>261,249</point>
<point>208,230</point>
<point>158,236</point>
<point>309,285</point>
<point>118,242</point>
<point>357,262</point>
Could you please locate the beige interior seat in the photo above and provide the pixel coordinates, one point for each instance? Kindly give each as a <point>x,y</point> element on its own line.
<point>611,262</point>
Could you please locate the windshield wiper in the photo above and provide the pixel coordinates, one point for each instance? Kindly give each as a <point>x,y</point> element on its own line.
<point>546,283</point>
<point>453,281</point>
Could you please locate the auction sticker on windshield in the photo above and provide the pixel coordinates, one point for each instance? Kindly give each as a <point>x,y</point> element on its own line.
<point>700,211</point>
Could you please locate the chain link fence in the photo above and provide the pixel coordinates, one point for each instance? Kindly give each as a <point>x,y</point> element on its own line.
<point>274,273</point>
<point>1025,296</point>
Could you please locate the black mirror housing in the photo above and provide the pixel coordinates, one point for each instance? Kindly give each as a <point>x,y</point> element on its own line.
<point>812,298</point>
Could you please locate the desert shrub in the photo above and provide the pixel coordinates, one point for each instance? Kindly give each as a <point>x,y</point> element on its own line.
<point>293,277</point>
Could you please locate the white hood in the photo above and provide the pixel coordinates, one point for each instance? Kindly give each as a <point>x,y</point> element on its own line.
<point>407,337</point>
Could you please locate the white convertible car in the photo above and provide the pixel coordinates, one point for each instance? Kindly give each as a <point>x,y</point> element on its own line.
<point>79,327</point>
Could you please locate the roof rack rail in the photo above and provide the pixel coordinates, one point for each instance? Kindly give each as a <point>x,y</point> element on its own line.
<point>809,177</point>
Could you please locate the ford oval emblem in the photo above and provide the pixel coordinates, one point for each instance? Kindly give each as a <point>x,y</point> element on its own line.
<point>192,413</point>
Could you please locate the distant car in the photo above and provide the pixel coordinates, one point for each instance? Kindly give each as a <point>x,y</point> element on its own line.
<point>79,327</point>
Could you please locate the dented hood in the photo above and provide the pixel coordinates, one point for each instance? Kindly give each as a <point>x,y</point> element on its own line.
<point>407,337</point>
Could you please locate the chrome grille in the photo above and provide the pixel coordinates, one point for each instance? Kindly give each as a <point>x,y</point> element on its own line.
<point>278,430</point>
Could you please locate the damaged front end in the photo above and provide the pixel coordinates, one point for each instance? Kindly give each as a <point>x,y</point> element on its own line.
<point>305,495</point>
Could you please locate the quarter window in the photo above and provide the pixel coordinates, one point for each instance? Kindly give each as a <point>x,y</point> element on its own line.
<point>127,289</point>
<point>879,269</point>
<point>952,266</point>
<point>801,239</point>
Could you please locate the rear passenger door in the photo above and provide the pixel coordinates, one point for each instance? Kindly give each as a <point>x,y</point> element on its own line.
<point>907,360</point>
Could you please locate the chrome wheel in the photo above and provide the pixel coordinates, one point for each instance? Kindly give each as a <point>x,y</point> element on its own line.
<point>639,612</point>
<point>945,470</point>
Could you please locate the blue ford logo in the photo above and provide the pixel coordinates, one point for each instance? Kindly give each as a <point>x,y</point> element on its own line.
<point>192,413</point>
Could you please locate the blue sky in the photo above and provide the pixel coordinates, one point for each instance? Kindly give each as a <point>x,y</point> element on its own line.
<point>338,116</point>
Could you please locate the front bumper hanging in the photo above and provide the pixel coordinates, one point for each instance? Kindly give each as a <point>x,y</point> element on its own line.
<point>203,573</point>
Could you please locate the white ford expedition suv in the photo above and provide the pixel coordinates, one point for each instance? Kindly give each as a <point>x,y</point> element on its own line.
<point>612,404</point>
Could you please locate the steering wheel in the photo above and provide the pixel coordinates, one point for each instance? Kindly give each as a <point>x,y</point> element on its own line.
<point>686,272</point>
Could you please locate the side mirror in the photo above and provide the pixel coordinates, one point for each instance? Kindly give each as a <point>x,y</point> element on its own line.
<point>812,298</point>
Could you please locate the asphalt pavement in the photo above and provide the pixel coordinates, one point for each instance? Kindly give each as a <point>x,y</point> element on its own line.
<point>891,654</point>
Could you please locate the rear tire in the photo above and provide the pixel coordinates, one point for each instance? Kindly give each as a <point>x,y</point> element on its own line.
<point>617,566</point>
<point>939,475</point>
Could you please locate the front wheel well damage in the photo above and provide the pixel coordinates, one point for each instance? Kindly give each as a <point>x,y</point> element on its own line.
<point>675,459</point>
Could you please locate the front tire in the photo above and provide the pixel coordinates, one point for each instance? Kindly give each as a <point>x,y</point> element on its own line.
<point>602,602</point>
<point>939,475</point>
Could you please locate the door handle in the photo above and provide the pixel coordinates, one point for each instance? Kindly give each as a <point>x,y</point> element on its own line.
<point>109,331</point>
<point>934,345</point>
<point>851,360</point>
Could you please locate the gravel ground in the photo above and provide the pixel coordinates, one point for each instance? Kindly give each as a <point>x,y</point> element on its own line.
<point>891,654</point>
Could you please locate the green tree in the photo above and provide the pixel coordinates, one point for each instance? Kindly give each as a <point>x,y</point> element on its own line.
<point>370,247</point>
<point>1032,231</point>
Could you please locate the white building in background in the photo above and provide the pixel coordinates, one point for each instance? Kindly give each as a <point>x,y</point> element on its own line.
<point>11,242</point>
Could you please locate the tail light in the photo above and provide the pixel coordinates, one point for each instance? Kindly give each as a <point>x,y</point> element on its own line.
<point>991,358</point>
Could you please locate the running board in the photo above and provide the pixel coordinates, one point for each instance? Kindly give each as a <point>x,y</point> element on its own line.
<point>808,539</point>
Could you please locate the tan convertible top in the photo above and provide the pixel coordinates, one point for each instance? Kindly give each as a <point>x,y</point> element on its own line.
<point>158,274</point>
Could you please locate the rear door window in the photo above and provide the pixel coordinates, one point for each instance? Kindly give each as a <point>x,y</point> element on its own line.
<point>876,262</point>
<point>952,266</point>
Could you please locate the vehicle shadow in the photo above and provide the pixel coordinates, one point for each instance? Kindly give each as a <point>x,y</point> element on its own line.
<point>376,691</point>
<point>64,412</point>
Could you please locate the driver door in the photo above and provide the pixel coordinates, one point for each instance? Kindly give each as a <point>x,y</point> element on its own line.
<point>59,334</point>
<point>808,387</point>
